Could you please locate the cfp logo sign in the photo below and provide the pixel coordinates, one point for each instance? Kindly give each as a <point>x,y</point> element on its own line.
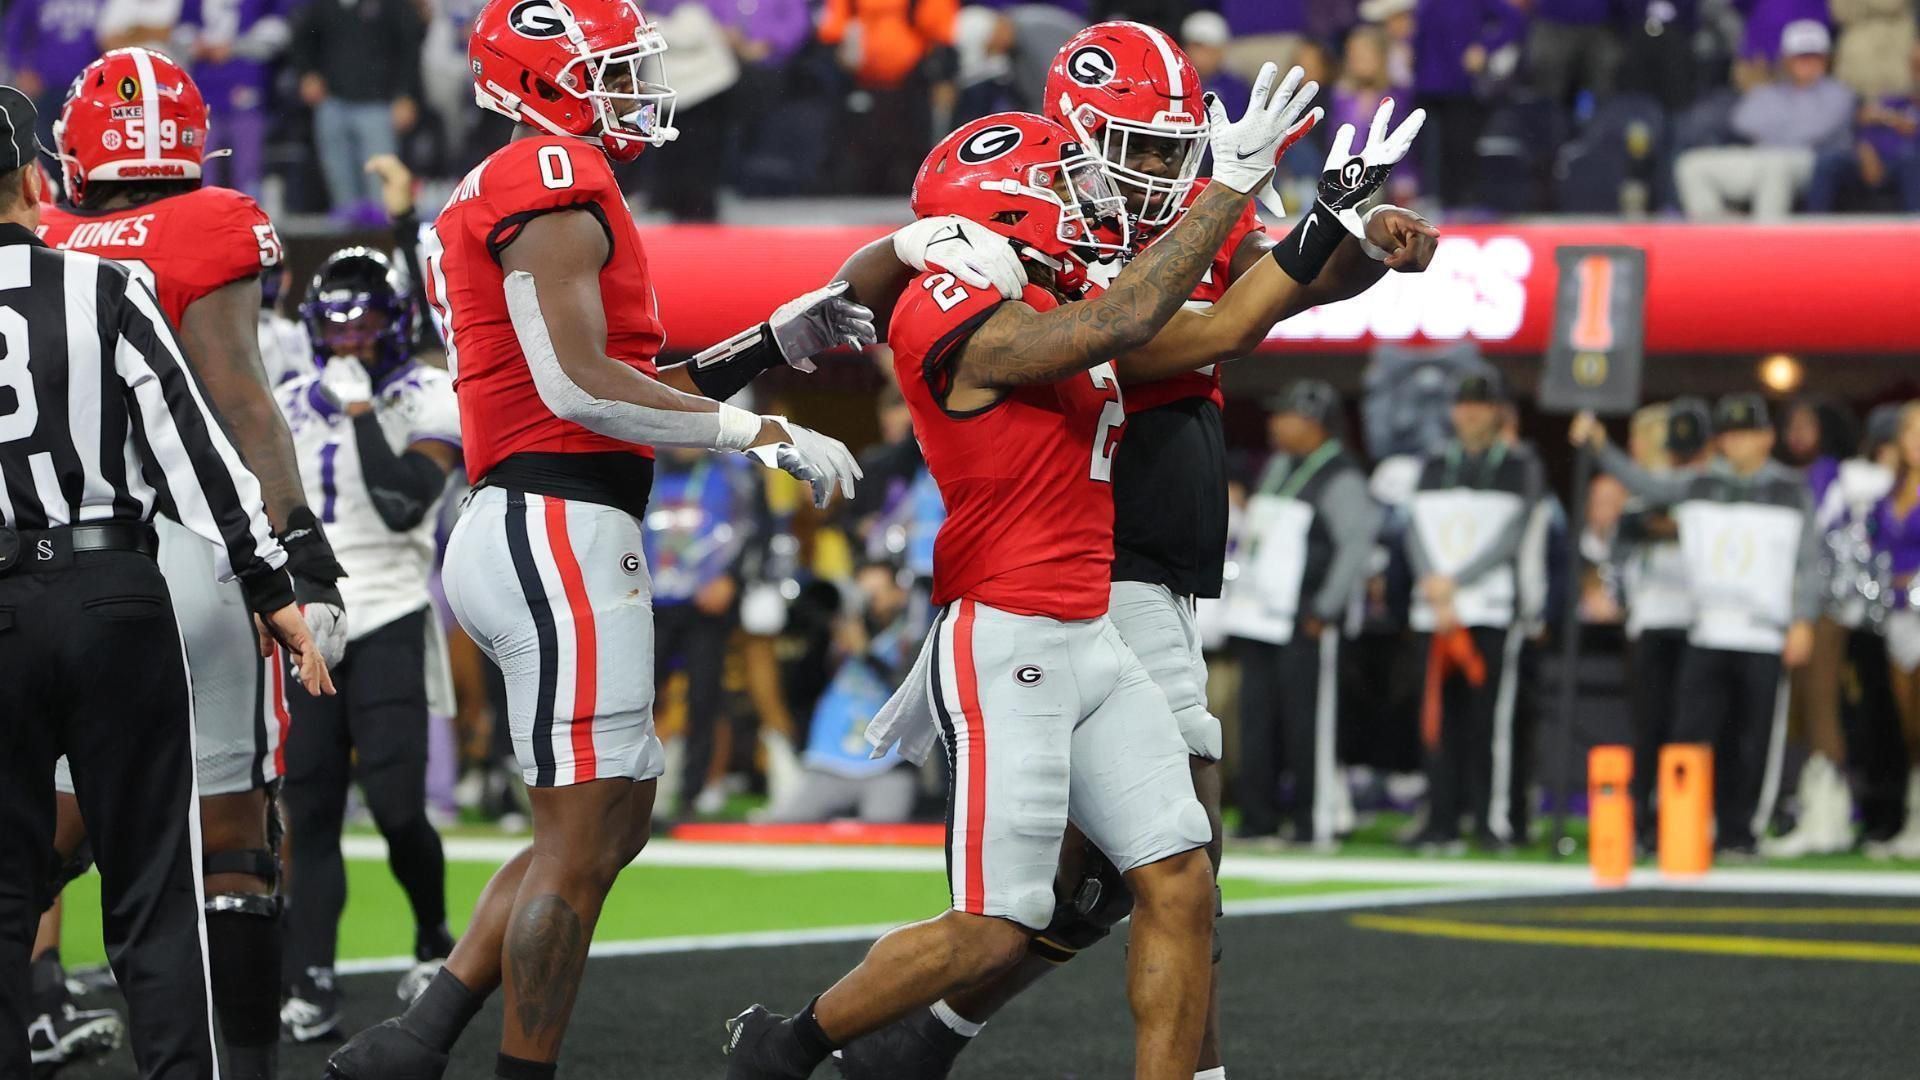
<point>1091,65</point>
<point>1459,536</point>
<point>539,19</point>
<point>1733,553</point>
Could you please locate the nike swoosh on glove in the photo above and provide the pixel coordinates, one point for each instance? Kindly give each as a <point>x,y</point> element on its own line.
<point>968,250</point>
<point>814,322</point>
<point>823,462</point>
<point>1245,150</point>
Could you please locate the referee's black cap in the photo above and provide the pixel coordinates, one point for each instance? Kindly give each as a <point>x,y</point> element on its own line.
<point>1312,399</point>
<point>19,143</point>
<point>1485,387</point>
<point>1741,412</point>
<point>1689,426</point>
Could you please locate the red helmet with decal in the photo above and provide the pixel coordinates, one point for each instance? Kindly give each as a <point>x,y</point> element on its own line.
<point>1128,90</point>
<point>132,115</point>
<point>1028,178</point>
<point>589,69</point>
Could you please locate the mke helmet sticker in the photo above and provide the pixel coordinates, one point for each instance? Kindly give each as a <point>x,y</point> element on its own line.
<point>989,143</point>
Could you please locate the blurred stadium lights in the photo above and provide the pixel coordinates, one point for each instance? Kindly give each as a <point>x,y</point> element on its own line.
<point>1781,373</point>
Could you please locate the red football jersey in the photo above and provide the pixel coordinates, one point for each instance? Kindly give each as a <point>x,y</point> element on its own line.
<point>501,413</point>
<point>183,246</point>
<point>1206,382</point>
<point>1027,481</point>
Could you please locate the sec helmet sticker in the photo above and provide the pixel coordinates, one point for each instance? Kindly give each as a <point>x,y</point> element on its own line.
<point>537,19</point>
<point>989,143</point>
<point>110,139</point>
<point>1091,65</point>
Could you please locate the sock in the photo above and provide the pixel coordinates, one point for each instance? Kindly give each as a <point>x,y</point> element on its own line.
<point>243,952</point>
<point>432,942</point>
<point>508,1067</point>
<point>1218,1072</point>
<point>49,981</point>
<point>960,1025</point>
<point>812,1041</point>
<point>442,1011</point>
<point>253,1062</point>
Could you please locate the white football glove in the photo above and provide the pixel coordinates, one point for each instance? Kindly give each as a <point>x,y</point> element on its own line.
<point>344,381</point>
<point>1245,151</point>
<point>328,625</point>
<point>1351,180</point>
<point>821,461</point>
<point>968,250</point>
<point>814,322</point>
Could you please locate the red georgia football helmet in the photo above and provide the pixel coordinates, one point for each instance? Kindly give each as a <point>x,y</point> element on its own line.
<point>133,114</point>
<point>577,68</point>
<point>1028,178</point>
<point>1115,84</point>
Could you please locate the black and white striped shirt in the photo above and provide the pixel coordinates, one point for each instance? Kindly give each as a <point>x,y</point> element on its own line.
<point>100,417</point>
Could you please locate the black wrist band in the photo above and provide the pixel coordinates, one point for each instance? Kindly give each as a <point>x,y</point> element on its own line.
<point>727,368</point>
<point>267,591</point>
<point>1303,252</point>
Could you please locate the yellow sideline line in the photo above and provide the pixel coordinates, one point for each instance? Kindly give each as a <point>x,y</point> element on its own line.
<point>1826,916</point>
<point>1713,944</point>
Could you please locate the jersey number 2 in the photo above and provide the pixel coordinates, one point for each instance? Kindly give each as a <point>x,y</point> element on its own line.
<point>946,291</point>
<point>1106,437</point>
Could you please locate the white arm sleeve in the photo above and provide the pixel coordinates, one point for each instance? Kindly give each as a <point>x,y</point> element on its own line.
<point>728,429</point>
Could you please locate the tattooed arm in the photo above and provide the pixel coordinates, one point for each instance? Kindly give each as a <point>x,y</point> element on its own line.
<point>1018,346</point>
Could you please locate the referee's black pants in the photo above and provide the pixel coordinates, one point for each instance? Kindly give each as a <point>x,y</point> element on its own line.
<point>1288,722</point>
<point>1730,699</point>
<point>91,666</point>
<point>1477,769</point>
<point>1653,688</point>
<point>380,717</point>
<point>699,640</point>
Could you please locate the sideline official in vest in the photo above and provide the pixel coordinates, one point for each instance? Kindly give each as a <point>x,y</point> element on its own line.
<point>1753,566</point>
<point>1307,535</point>
<point>100,425</point>
<point>1470,520</point>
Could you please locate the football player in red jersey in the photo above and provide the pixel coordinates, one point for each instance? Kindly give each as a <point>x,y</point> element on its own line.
<point>131,139</point>
<point>1046,714</point>
<point>540,285</point>
<point>1129,90</point>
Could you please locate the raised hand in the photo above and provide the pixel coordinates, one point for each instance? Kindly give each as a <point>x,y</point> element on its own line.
<point>1246,150</point>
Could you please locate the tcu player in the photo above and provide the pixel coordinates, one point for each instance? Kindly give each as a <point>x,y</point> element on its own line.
<point>1129,90</point>
<point>1047,715</point>
<point>132,138</point>
<point>377,433</point>
<point>537,276</point>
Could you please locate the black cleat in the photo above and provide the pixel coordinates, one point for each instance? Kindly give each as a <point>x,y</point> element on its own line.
<point>67,1034</point>
<point>915,1047</point>
<point>753,1048</point>
<point>386,1051</point>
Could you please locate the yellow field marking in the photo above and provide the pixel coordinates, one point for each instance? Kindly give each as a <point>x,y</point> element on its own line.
<point>1829,916</point>
<point>1713,944</point>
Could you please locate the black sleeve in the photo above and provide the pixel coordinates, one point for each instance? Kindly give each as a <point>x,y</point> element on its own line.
<point>404,485</point>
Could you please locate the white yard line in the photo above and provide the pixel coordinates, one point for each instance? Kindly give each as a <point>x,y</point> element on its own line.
<point>1271,868</point>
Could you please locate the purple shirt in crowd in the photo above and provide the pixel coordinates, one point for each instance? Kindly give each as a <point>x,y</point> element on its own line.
<point>1767,18</point>
<point>1442,31</point>
<point>1248,17</point>
<point>784,25</point>
<point>256,31</point>
<point>52,38</point>
<point>1899,538</point>
<point>1816,117</point>
<point>1890,144</point>
<point>1574,12</point>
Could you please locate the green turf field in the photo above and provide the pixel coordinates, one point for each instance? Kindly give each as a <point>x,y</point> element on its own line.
<point>649,902</point>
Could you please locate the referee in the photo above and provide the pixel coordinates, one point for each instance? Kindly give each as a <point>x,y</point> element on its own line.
<point>100,425</point>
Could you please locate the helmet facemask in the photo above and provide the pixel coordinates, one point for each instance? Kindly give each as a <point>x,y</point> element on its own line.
<point>371,328</point>
<point>628,90</point>
<point>1092,221</point>
<point>1180,142</point>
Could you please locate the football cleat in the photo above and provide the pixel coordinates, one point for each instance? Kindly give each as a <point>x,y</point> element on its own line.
<point>915,1047</point>
<point>752,1048</point>
<point>414,982</point>
<point>386,1051</point>
<point>69,1034</point>
<point>312,1017</point>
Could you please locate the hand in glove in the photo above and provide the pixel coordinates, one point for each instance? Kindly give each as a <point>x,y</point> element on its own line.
<point>821,461</point>
<point>1245,150</point>
<point>1350,180</point>
<point>343,382</point>
<point>316,572</point>
<point>814,322</point>
<point>968,250</point>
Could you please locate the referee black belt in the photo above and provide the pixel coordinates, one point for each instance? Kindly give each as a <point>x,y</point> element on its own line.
<point>53,549</point>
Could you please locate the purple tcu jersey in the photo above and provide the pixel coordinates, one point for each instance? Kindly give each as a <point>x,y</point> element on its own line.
<point>54,39</point>
<point>255,30</point>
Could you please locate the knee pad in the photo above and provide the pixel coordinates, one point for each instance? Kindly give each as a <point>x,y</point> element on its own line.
<point>254,863</point>
<point>243,953</point>
<point>1099,902</point>
<point>65,870</point>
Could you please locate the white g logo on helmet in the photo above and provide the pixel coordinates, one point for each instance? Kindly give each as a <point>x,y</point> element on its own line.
<point>537,19</point>
<point>1091,65</point>
<point>989,143</point>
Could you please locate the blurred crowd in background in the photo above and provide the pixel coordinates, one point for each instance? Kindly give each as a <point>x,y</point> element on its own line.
<point>1703,107</point>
